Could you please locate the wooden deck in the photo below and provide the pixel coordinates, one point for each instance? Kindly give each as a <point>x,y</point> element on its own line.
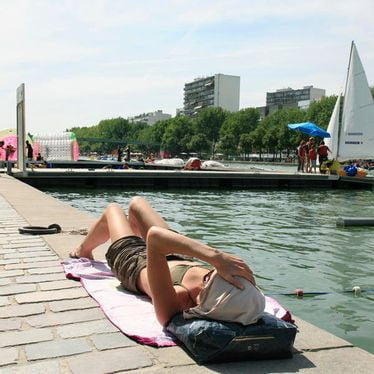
<point>186,179</point>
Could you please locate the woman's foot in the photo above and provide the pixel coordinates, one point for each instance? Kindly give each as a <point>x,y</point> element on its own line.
<point>79,253</point>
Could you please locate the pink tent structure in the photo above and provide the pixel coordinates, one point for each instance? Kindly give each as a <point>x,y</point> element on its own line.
<point>9,137</point>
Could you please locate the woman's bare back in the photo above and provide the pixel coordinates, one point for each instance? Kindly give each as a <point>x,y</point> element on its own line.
<point>192,282</point>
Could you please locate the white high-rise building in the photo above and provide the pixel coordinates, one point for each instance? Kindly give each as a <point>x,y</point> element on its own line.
<point>219,90</point>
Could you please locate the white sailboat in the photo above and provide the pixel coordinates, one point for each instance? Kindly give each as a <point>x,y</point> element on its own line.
<point>333,129</point>
<point>353,137</point>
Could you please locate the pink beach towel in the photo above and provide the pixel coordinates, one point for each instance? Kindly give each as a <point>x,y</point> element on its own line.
<point>132,314</point>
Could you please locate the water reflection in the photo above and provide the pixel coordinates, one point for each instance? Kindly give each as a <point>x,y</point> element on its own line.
<point>289,238</point>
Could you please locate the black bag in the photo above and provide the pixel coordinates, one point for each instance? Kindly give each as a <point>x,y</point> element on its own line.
<point>216,341</point>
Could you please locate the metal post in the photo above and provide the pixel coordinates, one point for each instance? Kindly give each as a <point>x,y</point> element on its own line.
<point>21,128</point>
<point>9,167</point>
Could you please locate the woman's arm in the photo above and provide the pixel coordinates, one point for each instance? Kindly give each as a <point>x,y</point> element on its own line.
<point>161,242</point>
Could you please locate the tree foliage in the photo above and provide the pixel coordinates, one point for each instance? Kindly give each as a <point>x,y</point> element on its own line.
<point>213,129</point>
<point>209,122</point>
<point>320,111</point>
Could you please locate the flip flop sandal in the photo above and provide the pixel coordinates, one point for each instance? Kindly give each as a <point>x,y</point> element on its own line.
<point>40,230</point>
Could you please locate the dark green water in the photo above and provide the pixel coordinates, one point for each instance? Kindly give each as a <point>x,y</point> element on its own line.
<point>289,238</point>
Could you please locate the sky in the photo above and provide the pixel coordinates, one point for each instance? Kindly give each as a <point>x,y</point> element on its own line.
<point>87,60</point>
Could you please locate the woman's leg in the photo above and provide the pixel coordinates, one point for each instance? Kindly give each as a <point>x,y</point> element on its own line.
<point>142,217</point>
<point>112,225</point>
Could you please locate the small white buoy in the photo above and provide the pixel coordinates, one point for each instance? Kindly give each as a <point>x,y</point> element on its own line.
<point>356,290</point>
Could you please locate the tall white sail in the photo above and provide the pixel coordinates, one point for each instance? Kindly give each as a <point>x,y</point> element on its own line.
<point>357,128</point>
<point>333,130</point>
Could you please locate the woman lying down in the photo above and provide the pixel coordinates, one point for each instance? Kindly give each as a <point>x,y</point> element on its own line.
<point>149,258</point>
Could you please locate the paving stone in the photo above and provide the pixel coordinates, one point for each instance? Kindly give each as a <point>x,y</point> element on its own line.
<point>16,289</point>
<point>54,269</point>
<point>37,259</point>
<point>219,368</point>
<point>4,300</point>
<point>172,356</point>
<point>312,337</point>
<point>32,249</point>
<point>109,361</point>
<point>158,370</point>
<point>344,360</point>
<point>30,265</point>
<point>27,255</point>
<point>63,318</point>
<point>58,285</point>
<point>10,261</point>
<point>5,281</point>
<point>15,235</point>
<point>21,310</point>
<point>64,305</point>
<point>41,278</point>
<point>76,330</point>
<point>12,338</point>
<point>10,324</point>
<point>22,245</point>
<point>44,367</point>
<point>4,251</point>
<point>28,240</point>
<point>110,341</point>
<point>35,297</point>
<point>57,348</point>
<point>11,273</point>
<point>8,356</point>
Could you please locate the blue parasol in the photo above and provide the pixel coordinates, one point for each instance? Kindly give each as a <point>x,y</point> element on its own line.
<point>309,128</point>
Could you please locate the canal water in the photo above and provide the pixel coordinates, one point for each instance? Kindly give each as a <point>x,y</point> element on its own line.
<point>288,237</point>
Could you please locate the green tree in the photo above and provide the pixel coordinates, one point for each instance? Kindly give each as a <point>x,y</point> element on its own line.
<point>227,144</point>
<point>209,122</point>
<point>158,130</point>
<point>271,139</point>
<point>87,132</point>
<point>177,135</point>
<point>288,139</point>
<point>198,143</point>
<point>319,112</point>
<point>246,144</point>
<point>256,138</point>
<point>238,123</point>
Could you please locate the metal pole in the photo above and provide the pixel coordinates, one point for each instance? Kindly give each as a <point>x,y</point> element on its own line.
<point>21,128</point>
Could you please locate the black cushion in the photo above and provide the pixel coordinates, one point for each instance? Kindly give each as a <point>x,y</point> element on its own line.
<point>216,341</point>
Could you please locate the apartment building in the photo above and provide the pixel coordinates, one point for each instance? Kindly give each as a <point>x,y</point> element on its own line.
<point>150,118</point>
<point>219,90</point>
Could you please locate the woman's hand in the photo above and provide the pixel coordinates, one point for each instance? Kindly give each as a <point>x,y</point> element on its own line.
<point>228,265</point>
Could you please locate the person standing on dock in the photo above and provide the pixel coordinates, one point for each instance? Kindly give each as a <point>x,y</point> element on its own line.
<point>119,154</point>
<point>310,144</point>
<point>128,154</point>
<point>301,156</point>
<point>2,150</point>
<point>323,150</point>
<point>313,159</point>
<point>30,151</point>
<point>9,151</point>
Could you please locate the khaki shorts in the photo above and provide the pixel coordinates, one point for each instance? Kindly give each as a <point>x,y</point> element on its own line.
<point>127,257</point>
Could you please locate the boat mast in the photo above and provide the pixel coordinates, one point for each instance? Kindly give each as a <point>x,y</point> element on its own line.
<point>345,91</point>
